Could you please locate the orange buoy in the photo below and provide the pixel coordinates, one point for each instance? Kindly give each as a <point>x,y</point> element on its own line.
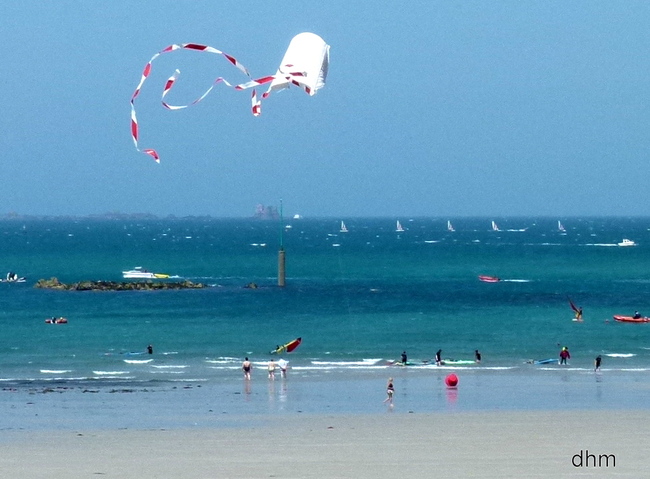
<point>451,380</point>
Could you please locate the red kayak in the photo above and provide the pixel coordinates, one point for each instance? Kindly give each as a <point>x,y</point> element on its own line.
<point>631,319</point>
<point>489,279</point>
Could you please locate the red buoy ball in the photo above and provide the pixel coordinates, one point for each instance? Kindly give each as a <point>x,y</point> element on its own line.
<point>451,380</point>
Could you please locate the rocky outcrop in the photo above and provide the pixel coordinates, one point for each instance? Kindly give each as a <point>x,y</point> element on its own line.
<point>54,283</point>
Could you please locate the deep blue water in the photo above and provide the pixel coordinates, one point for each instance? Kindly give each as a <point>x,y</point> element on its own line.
<point>357,299</point>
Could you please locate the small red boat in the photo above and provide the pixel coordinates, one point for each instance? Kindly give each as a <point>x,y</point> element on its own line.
<point>488,279</point>
<point>631,319</point>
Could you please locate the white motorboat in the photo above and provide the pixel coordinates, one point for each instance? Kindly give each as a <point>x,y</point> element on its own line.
<point>627,242</point>
<point>140,273</point>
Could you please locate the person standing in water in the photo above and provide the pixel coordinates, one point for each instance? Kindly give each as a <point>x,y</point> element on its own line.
<point>404,358</point>
<point>477,356</point>
<point>283,364</point>
<point>247,368</point>
<point>439,357</point>
<point>564,355</point>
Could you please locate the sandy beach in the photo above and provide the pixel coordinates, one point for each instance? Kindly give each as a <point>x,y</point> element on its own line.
<point>394,444</point>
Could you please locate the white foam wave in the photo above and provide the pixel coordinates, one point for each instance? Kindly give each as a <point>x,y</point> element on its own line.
<point>620,355</point>
<point>189,380</point>
<point>55,371</point>
<point>169,366</point>
<point>138,361</point>
<point>334,367</point>
<point>363,362</point>
<point>110,373</point>
<point>223,361</point>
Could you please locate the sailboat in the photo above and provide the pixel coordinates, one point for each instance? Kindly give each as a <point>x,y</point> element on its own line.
<point>399,228</point>
<point>495,227</point>
<point>560,227</point>
<point>344,228</point>
<point>449,226</point>
<point>576,310</point>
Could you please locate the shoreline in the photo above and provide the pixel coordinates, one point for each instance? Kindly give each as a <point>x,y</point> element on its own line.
<point>182,404</point>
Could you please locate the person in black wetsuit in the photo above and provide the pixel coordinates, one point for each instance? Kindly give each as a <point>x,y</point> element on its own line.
<point>404,358</point>
<point>439,357</point>
<point>477,356</point>
<point>597,363</point>
<point>150,349</point>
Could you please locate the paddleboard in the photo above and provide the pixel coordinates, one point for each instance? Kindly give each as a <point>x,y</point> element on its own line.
<point>545,361</point>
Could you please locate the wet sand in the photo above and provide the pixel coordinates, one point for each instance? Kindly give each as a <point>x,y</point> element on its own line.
<point>392,444</point>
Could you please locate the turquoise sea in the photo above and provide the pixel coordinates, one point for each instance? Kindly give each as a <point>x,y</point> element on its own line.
<point>357,299</point>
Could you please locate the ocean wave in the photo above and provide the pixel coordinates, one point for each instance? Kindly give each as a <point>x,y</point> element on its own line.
<point>332,367</point>
<point>620,355</point>
<point>55,371</point>
<point>363,362</point>
<point>138,361</point>
<point>223,360</point>
<point>110,373</point>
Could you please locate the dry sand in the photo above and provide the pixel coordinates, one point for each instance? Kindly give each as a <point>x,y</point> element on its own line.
<point>392,445</point>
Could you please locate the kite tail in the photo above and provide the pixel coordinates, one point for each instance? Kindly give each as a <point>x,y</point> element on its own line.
<point>256,103</point>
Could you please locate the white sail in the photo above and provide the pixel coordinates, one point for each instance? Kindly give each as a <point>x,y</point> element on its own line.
<point>344,229</point>
<point>495,227</point>
<point>560,226</point>
<point>449,226</point>
<point>399,227</point>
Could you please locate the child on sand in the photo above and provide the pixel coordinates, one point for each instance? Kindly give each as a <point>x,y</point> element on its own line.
<point>390,390</point>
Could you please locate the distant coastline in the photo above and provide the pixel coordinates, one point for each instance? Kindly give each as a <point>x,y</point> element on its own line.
<point>118,216</point>
<point>104,216</point>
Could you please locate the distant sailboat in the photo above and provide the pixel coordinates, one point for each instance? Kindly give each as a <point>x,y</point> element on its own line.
<point>399,228</point>
<point>344,228</point>
<point>449,226</point>
<point>495,227</point>
<point>560,227</point>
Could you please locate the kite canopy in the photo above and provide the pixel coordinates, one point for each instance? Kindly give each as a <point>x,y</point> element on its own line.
<point>308,55</point>
<point>304,64</point>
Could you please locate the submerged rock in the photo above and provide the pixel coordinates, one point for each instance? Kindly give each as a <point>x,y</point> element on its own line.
<point>54,283</point>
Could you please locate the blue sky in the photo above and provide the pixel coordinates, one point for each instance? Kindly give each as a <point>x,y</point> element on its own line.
<point>431,108</point>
